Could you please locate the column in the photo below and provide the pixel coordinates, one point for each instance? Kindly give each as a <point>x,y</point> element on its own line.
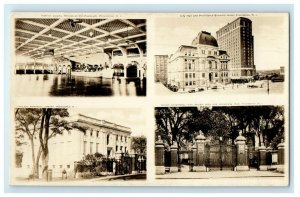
<point>200,153</point>
<point>269,157</point>
<point>159,156</point>
<point>174,157</point>
<point>241,153</point>
<point>262,158</point>
<point>280,167</point>
<point>133,159</point>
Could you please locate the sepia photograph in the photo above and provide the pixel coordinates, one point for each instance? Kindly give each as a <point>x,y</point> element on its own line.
<point>222,145</point>
<point>78,56</point>
<point>221,53</point>
<point>78,146</point>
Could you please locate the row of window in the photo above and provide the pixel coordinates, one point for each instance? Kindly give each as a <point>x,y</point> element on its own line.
<point>117,137</point>
<point>190,75</point>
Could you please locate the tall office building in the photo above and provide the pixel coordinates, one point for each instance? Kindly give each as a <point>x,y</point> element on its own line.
<point>237,39</point>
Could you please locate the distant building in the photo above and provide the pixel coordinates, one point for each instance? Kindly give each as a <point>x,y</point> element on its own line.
<point>161,62</point>
<point>237,39</point>
<point>104,137</point>
<point>200,64</point>
<point>281,70</point>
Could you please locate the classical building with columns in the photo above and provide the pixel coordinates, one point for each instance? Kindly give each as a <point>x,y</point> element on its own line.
<point>101,136</point>
<point>199,65</point>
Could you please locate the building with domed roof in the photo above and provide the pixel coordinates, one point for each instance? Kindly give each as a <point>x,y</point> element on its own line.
<point>199,65</point>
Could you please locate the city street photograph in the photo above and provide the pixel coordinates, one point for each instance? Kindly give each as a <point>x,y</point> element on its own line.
<point>61,56</point>
<point>222,146</point>
<point>221,53</point>
<point>78,146</point>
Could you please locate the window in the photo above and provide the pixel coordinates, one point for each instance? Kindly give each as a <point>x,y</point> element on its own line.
<point>97,147</point>
<point>91,133</point>
<point>60,166</point>
<point>97,133</point>
<point>194,82</point>
<point>117,137</point>
<point>68,166</point>
<point>125,139</point>
<point>125,149</point>
<point>107,139</point>
<point>186,75</point>
<point>190,75</point>
<point>117,148</point>
<point>186,83</point>
<point>190,83</point>
<point>91,147</point>
<point>194,75</point>
<point>121,148</point>
<point>121,138</point>
<point>190,66</point>
<point>84,147</point>
<point>203,75</point>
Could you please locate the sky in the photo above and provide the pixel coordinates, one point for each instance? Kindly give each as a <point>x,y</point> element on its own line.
<point>270,31</point>
<point>135,118</point>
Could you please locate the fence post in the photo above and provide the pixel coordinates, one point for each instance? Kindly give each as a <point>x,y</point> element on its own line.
<point>200,153</point>
<point>281,146</point>
<point>262,158</point>
<point>159,156</point>
<point>174,157</point>
<point>241,153</point>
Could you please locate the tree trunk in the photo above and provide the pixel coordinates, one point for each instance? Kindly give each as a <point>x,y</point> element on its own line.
<point>37,173</point>
<point>33,158</point>
<point>45,160</point>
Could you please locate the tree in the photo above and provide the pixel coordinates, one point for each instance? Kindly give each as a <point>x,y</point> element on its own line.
<point>139,144</point>
<point>51,124</point>
<point>27,120</point>
<point>172,123</point>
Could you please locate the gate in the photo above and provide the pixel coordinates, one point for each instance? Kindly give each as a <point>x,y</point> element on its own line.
<point>220,156</point>
<point>253,157</point>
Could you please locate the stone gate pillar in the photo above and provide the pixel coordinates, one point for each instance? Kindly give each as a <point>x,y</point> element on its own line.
<point>199,166</point>
<point>269,157</point>
<point>174,157</point>
<point>134,163</point>
<point>159,156</point>
<point>262,158</point>
<point>281,146</point>
<point>241,153</point>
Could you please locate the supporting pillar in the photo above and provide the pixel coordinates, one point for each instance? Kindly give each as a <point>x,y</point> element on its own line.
<point>200,153</point>
<point>281,162</point>
<point>241,153</point>
<point>262,158</point>
<point>133,160</point>
<point>174,157</point>
<point>159,156</point>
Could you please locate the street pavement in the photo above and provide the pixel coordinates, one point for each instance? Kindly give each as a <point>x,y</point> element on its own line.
<point>274,88</point>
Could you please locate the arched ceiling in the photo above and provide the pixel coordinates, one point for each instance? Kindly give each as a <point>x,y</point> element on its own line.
<point>43,37</point>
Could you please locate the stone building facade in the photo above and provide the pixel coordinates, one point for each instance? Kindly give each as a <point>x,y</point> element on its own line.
<point>199,65</point>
